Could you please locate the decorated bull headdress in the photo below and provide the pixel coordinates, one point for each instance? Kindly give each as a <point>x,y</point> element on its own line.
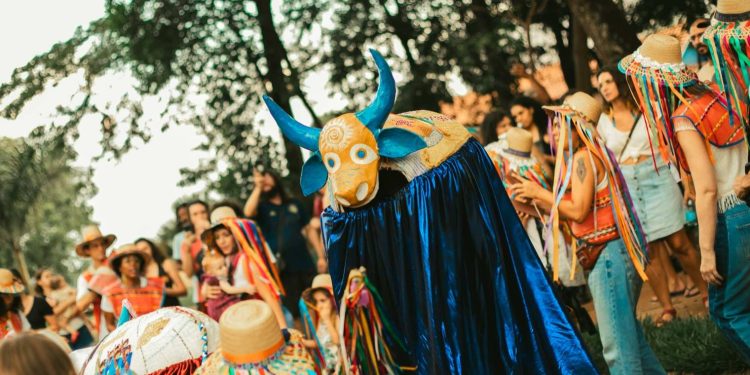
<point>349,148</point>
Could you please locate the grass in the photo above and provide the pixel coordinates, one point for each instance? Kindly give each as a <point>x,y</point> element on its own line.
<point>685,346</point>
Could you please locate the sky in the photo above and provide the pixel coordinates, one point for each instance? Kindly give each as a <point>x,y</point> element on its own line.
<point>136,193</point>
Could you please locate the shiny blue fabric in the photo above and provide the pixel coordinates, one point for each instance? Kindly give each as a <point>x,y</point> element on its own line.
<point>458,275</point>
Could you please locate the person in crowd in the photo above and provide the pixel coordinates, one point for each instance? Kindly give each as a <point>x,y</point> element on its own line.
<point>191,245</point>
<point>12,319</point>
<point>159,266</point>
<point>494,125</point>
<point>33,354</point>
<point>37,311</point>
<point>322,322</point>
<point>315,230</point>
<point>282,221</point>
<point>182,221</point>
<point>73,326</point>
<point>528,83</point>
<point>96,276</point>
<point>652,189</point>
<point>705,66</point>
<point>706,138</point>
<point>596,206</point>
<point>248,265</point>
<point>143,295</point>
<point>529,115</point>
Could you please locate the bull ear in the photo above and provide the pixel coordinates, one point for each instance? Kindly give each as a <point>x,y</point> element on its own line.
<point>396,143</point>
<point>314,175</point>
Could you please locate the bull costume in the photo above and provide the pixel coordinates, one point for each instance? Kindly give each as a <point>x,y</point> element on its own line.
<point>417,201</point>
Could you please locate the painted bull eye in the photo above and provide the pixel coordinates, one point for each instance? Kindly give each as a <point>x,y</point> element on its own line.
<point>332,161</point>
<point>362,154</point>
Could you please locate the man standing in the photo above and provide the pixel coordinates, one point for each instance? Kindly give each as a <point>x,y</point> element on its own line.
<point>705,65</point>
<point>97,276</point>
<point>283,222</point>
<point>183,226</point>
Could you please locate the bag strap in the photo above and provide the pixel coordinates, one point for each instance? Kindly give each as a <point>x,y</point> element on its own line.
<point>630,135</point>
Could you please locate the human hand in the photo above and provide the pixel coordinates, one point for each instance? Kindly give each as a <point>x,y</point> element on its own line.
<point>257,179</point>
<point>213,291</point>
<point>525,190</point>
<point>708,268</point>
<point>322,265</point>
<point>742,186</point>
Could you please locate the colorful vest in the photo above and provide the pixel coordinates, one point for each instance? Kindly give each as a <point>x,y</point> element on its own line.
<point>599,227</point>
<point>144,300</point>
<point>710,115</point>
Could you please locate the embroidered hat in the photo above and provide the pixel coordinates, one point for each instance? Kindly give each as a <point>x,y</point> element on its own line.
<point>9,284</point>
<point>251,340</point>
<point>171,340</point>
<point>90,234</point>
<point>659,61</point>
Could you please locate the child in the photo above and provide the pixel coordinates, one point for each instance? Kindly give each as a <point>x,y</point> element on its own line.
<point>216,274</point>
<point>318,309</point>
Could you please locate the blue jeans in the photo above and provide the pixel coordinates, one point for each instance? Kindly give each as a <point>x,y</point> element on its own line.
<point>729,303</point>
<point>615,286</point>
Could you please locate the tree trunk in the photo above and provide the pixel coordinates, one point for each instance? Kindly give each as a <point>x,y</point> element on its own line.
<point>20,261</point>
<point>605,23</point>
<point>580,57</point>
<point>564,53</point>
<point>274,54</point>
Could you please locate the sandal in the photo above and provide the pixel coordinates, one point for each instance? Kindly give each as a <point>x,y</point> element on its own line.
<point>691,292</point>
<point>667,316</point>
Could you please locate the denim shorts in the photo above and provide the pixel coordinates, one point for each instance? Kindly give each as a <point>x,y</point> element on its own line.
<point>656,197</point>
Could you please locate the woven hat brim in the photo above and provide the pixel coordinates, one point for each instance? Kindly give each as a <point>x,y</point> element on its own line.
<point>15,288</point>
<point>287,361</point>
<point>108,241</point>
<point>116,256</point>
<point>630,66</point>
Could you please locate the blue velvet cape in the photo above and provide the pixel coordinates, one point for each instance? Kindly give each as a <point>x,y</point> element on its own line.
<point>458,275</point>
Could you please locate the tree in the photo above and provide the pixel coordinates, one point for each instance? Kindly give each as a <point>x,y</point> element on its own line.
<point>44,203</point>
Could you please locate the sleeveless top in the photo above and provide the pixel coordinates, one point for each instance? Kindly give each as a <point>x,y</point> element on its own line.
<point>615,139</point>
<point>144,299</point>
<point>599,227</point>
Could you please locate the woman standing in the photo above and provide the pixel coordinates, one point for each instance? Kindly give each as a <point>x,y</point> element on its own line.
<point>164,268</point>
<point>62,298</point>
<point>12,320</point>
<point>698,130</point>
<point>144,295</point>
<point>248,259</point>
<point>654,192</point>
<point>588,192</point>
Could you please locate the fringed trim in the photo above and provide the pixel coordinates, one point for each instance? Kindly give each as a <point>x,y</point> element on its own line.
<point>728,201</point>
<point>185,367</point>
<point>410,166</point>
<point>729,48</point>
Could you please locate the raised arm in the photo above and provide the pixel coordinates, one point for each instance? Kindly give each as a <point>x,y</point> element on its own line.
<point>251,206</point>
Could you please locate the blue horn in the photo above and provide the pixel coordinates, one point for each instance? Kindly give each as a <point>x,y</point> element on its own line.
<point>374,116</point>
<point>300,134</point>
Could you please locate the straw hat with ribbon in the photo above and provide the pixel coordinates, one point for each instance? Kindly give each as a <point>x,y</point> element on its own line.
<point>90,234</point>
<point>9,284</point>
<point>579,105</point>
<point>728,40</point>
<point>251,340</point>
<point>320,282</point>
<point>658,61</point>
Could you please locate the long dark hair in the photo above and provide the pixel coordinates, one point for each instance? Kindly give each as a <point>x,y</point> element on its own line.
<point>38,276</point>
<point>156,252</point>
<point>539,117</point>
<point>278,188</point>
<point>488,130</point>
<point>622,88</point>
<point>177,209</point>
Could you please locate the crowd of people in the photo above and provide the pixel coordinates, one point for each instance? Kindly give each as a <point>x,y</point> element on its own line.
<point>603,184</point>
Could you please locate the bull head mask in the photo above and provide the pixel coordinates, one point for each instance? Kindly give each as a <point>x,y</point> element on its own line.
<point>349,147</point>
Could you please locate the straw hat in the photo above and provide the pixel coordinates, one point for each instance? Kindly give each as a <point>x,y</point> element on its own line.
<point>659,59</point>
<point>581,105</point>
<point>519,142</point>
<point>92,233</point>
<point>9,284</point>
<point>218,215</point>
<point>124,250</point>
<point>171,340</point>
<point>729,22</point>
<point>322,281</point>
<point>252,340</point>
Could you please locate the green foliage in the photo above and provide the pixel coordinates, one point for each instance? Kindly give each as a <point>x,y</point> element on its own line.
<point>646,15</point>
<point>44,202</point>
<point>691,345</point>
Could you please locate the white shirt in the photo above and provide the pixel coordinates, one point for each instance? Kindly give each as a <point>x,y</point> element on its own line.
<point>615,139</point>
